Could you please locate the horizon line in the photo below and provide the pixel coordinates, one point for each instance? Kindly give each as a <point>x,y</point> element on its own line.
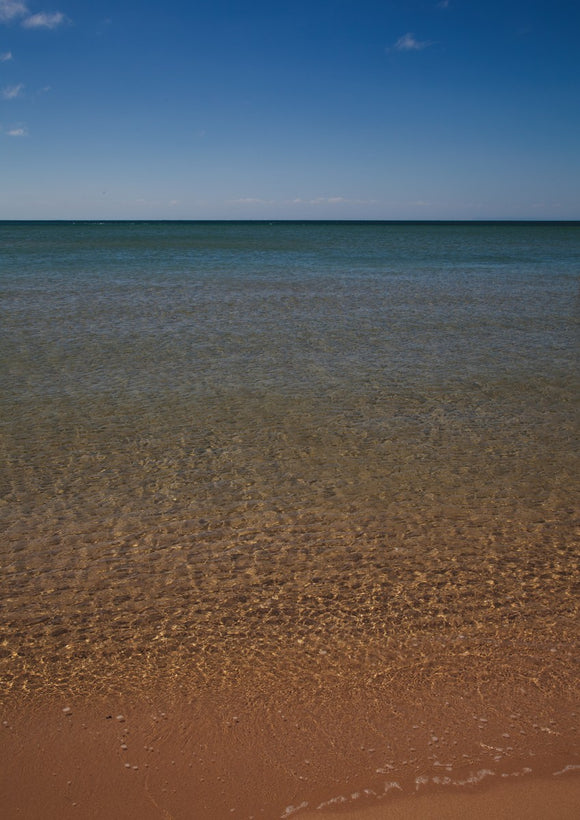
<point>129,220</point>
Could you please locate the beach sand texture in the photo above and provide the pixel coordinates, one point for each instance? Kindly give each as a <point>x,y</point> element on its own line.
<point>200,760</point>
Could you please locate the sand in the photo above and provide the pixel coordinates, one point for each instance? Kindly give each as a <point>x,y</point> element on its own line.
<point>532,799</point>
<point>229,755</point>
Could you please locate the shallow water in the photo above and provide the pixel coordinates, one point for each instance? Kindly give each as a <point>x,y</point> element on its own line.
<point>300,450</point>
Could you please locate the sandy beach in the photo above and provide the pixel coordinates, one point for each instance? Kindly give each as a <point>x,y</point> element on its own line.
<point>540,799</point>
<point>90,765</point>
<point>333,753</point>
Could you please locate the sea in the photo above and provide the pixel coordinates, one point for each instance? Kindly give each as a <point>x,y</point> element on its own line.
<point>305,451</point>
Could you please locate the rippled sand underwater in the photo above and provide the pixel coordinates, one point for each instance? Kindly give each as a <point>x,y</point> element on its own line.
<point>304,456</point>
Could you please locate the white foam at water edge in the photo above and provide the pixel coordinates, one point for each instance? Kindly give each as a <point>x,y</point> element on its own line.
<point>570,768</point>
<point>422,780</point>
<point>292,810</point>
<point>524,771</point>
<point>341,799</point>
<point>332,802</point>
<point>474,778</point>
<point>392,785</point>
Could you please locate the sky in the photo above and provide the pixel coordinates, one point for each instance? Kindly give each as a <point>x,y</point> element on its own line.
<point>313,109</point>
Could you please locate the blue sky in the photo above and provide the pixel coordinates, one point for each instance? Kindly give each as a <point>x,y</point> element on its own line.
<point>326,109</point>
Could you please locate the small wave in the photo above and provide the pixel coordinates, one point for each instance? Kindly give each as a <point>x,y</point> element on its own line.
<point>571,767</point>
<point>290,810</point>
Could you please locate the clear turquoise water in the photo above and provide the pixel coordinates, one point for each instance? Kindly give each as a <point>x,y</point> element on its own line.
<point>238,438</point>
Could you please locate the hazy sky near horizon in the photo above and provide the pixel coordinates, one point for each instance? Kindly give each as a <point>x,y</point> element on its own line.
<point>313,109</point>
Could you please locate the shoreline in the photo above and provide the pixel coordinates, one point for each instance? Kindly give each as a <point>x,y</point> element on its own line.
<point>533,798</point>
<point>311,756</point>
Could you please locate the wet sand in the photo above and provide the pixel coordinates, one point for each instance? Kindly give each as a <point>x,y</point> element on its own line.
<point>253,752</point>
<point>541,799</point>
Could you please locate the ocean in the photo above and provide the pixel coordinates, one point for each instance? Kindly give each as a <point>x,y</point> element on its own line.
<point>210,429</point>
<point>300,451</point>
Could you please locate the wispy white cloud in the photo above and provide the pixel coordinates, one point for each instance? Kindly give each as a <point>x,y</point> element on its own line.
<point>16,10</point>
<point>408,42</point>
<point>45,20</point>
<point>5,56</point>
<point>318,201</point>
<point>443,4</point>
<point>250,200</point>
<point>321,200</point>
<point>10,92</point>
<point>331,200</point>
<point>12,9</point>
<point>14,131</point>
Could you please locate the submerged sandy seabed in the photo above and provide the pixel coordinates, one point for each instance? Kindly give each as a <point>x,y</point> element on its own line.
<point>273,659</point>
<point>289,522</point>
<point>315,671</point>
